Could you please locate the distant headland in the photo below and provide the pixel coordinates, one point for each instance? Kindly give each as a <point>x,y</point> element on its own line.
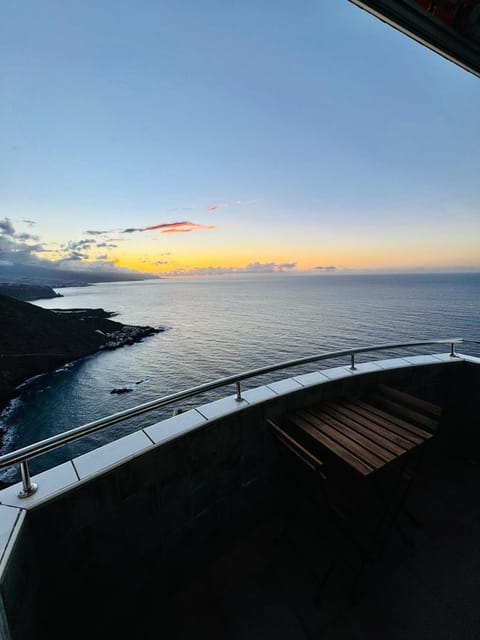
<point>27,292</point>
<point>31,274</point>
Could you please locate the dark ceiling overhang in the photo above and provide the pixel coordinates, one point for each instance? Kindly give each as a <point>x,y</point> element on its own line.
<point>449,27</point>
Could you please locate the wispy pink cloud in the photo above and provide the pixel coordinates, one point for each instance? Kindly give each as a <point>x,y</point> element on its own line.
<point>183,226</point>
<point>220,205</point>
<point>180,227</point>
<point>169,225</point>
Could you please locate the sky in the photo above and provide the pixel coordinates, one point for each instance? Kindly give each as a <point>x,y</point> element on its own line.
<point>184,137</point>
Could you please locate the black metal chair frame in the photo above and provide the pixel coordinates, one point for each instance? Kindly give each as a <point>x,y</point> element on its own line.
<point>393,505</point>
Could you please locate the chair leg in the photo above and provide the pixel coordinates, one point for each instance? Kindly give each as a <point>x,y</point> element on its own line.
<point>346,528</point>
<point>395,505</point>
<point>354,593</point>
<point>322,583</point>
<point>414,521</point>
<point>289,519</point>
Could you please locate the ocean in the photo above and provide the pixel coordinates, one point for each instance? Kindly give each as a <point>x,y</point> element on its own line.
<point>220,326</point>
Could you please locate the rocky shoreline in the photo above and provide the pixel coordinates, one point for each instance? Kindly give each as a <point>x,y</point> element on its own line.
<point>126,336</point>
<point>115,334</point>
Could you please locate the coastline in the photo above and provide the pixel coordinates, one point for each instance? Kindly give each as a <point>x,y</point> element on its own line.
<point>58,337</point>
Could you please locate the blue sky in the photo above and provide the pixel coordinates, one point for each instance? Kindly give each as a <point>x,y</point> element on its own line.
<point>331,137</point>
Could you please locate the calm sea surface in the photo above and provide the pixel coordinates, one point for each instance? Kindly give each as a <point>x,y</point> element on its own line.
<point>221,326</point>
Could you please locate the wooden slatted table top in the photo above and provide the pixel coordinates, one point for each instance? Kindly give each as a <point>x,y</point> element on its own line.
<point>366,436</point>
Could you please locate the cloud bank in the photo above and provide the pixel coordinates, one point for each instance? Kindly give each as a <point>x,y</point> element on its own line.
<point>24,250</point>
<point>89,255</point>
<point>17,247</point>
<point>252,267</point>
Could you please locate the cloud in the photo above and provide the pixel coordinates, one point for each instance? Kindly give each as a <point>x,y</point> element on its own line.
<point>183,226</point>
<point>22,249</point>
<point>178,227</point>
<point>29,222</point>
<point>16,247</point>
<point>75,255</point>
<point>107,245</point>
<point>6,227</point>
<point>78,245</point>
<point>201,271</point>
<point>99,268</point>
<point>169,227</point>
<point>268,267</point>
<point>330,268</point>
<point>149,260</point>
<point>26,236</point>
<point>220,205</point>
<point>252,267</point>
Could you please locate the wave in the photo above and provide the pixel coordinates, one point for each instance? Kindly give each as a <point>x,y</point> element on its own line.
<point>11,407</point>
<point>29,381</point>
<point>7,430</point>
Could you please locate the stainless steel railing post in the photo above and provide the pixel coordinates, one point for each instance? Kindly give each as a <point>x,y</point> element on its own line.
<point>29,487</point>
<point>352,362</point>
<point>452,350</point>
<point>238,397</point>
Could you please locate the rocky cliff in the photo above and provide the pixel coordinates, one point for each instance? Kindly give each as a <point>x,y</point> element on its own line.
<point>35,340</point>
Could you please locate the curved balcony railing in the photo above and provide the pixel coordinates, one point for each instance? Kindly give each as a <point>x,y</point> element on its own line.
<point>23,455</point>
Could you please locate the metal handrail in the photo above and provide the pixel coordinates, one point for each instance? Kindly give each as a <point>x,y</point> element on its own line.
<point>21,456</point>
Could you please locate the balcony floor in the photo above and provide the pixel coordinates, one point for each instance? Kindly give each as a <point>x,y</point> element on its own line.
<point>260,587</point>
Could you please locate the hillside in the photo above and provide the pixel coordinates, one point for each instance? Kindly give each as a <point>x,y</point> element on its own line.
<point>27,291</point>
<point>55,277</point>
<point>35,340</point>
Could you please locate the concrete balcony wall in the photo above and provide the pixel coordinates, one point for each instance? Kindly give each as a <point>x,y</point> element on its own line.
<point>89,547</point>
